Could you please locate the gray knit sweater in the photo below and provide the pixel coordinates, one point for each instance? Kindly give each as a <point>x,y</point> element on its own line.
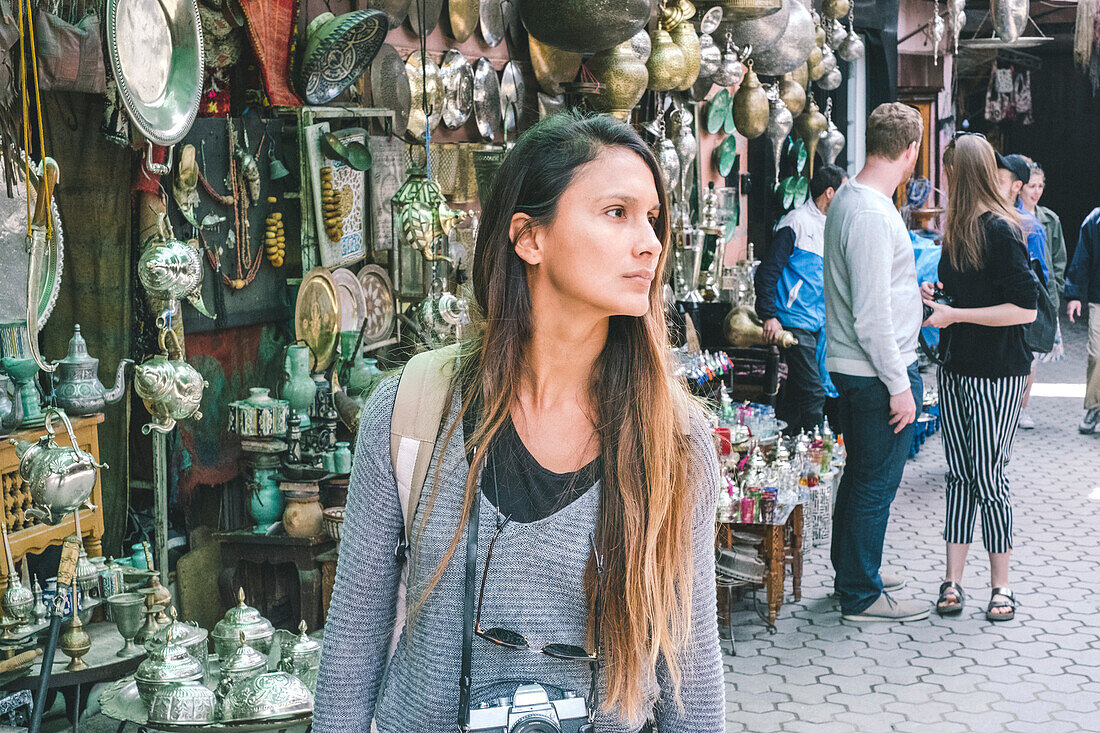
<point>534,587</point>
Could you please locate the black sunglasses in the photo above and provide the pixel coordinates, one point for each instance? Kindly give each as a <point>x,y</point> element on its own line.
<point>515,640</point>
<point>963,133</point>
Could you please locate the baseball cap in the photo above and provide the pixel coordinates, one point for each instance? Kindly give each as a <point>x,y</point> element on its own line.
<point>1016,165</point>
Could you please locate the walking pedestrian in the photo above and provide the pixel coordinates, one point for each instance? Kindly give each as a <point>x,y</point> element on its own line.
<point>872,317</point>
<point>790,294</point>
<point>991,292</point>
<point>1013,176</point>
<point>1083,286</point>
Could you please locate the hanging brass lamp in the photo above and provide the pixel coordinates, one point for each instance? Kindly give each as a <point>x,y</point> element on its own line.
<point>622,78</point>
<point>751,110</point>
<point>666,64</point>
<point>809,125</point>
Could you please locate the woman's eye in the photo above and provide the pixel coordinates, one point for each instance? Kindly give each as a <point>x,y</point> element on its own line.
<point>653,220</point>
<point>618,212</point>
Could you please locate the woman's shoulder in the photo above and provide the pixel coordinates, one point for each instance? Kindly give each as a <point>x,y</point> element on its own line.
<point>1002,232</point>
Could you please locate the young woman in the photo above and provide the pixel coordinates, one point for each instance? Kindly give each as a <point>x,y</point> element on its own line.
<point>985,275</point>
<point>570,440</point>
<point>1055,251</point>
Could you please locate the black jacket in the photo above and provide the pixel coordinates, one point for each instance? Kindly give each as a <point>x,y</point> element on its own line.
<point>1083,277</point>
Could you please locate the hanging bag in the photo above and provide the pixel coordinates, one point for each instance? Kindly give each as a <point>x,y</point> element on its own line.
<point>1039,334</point>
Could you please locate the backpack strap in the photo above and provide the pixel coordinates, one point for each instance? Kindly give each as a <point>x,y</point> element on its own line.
<point>423,395</point>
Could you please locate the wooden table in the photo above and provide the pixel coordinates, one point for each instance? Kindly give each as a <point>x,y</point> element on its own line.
<point>782,546</point>
<point>103,666</point>
<point>27,535</point>
<point>243,545</point>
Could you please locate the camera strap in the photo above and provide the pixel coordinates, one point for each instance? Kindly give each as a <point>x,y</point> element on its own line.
<point>465,682</point>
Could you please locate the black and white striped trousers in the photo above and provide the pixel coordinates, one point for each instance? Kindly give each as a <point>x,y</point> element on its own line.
<point>979,419</point>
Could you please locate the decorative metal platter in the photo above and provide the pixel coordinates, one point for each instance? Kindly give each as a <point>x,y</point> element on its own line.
<point>349,295</point>
<point>337,51</point>
<point>432,10</point>
<point>458,89</point>
<point>317,317</point>
<point>156,53</point>
<point>463,16</point>
<point>15,260</point>
<point>421,80</point>
<point>380,311</point>
<point>512,92</point>
<point>494,21</point>
<point>487,100</point>
<point>389,83</point>
<point>396,10</point>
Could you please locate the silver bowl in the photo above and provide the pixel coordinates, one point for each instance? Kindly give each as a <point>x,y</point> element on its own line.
<point>183,704</point>
<point>269,696</point>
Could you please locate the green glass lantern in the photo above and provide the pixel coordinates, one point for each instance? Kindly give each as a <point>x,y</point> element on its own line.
<point>422,221</point>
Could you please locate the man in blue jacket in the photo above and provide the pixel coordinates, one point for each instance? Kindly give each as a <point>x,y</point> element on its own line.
<point>1083,285</point>
<point>790,294</point>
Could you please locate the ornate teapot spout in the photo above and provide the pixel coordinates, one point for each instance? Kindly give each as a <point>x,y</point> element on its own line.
<point>114,394</point>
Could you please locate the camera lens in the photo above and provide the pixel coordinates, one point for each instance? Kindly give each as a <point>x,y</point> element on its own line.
<point>535,724</point>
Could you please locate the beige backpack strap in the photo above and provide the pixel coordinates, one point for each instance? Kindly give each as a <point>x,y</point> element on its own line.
<point>423,395</point>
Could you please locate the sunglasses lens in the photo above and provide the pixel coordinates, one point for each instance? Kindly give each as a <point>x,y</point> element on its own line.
<point>504,637</point>
<point>565,651</point>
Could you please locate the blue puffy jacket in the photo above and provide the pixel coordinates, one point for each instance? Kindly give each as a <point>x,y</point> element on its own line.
<point>790,281</point>
<point>1083,277</point>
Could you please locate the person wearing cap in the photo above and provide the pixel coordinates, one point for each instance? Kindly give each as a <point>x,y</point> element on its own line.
<point>1013,173</point>
<point>1083,287</point>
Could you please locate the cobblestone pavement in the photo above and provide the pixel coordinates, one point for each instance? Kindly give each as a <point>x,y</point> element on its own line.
<point>1039,672</point>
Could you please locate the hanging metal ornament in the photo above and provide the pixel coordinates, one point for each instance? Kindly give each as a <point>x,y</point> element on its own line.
<point>710,57</point>
<point>832,140</point>
<point>835,32</point>
<point>751,110</point>
<point>793,47</point>
<point>934,33</point>
<point>687,147</point>
<point>641,45</point>
<point>1009,18</point>
<point>780,122</point>
<point>792,93</point>
<point>956,11</point>
<point>851,49</point>
<point>831,80</point>
<point>828,59</point>
<point>731,71</point>
<point>686,38</point>
<point>669,160</point>
<point>809,125</point>
<point>666,63</point>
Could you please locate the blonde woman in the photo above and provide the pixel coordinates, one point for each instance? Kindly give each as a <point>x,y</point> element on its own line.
<point>986,279</point>
<point>566,442</point>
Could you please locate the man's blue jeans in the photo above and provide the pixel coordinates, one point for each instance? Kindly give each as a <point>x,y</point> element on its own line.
<point>876,460</point>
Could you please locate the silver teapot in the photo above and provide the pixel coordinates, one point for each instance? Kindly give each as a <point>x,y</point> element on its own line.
<point>170,388</point>
<point>59,478</point>
<point>76,381</point>
<point>171,269</point>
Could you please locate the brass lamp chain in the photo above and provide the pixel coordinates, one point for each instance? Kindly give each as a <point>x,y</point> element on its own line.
<point>26,34</point>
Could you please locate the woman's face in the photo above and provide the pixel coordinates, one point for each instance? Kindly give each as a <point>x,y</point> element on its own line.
<point>1033,191</point>
<point>600,252</point>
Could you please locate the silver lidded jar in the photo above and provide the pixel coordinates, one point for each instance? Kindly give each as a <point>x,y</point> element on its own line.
<point>258,631</point>
<point>189,636</point>
<point>301,657</point>
<point>271,695</point>
<point>245,663</point>
<point>166,666</point>
<point>188,703</point>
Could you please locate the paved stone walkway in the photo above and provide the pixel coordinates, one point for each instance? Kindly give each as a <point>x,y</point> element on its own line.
<point>1039,672</point>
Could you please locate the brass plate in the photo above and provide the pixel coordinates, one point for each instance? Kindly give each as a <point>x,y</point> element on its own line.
<point>317,317</point>
<point>432,10</point>
<point>463,15</point>
<point>381,310</point>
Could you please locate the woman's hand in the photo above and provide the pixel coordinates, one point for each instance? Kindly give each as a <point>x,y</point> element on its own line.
<point>942,315</point>
<point>928,290</point>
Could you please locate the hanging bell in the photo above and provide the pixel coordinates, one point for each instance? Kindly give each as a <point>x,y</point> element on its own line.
<point>835,8</point>
<point>792,93</point>
<point>751,110</point>
<point>731,71</point>
<point>831,80</point>
<point>710,57</point>
<point>685,37</point>
<point>809,125</point>
<point>832,140</point>
<point>851,48</point>
<point>836,32</point>
<point>276,169</point>
<point>780,121</point>
<point>666,64</point>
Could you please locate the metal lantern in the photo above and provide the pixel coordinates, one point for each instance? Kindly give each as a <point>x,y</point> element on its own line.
<point>421,220</point>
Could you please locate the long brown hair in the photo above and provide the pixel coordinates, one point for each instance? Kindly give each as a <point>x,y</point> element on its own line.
<point>971,169</point>
<point>643,529</point>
